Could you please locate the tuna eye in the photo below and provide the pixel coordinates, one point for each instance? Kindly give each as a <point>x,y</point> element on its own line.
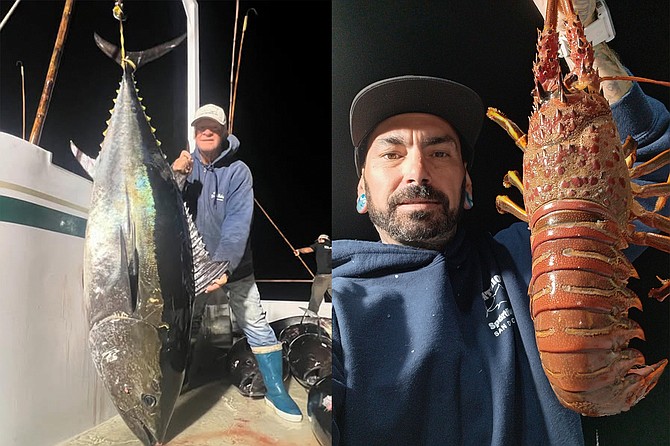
<point>149,400</point>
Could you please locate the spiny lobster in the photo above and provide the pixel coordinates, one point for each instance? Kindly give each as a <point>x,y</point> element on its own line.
<point>579,203</point>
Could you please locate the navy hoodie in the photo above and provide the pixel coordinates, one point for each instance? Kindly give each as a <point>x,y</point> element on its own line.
<point>438,348</point>
<point>220,197</point>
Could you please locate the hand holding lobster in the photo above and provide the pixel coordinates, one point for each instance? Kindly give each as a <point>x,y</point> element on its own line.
<point>585,9</point>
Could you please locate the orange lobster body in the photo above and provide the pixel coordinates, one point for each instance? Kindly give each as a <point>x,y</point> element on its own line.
<point>578,202</point>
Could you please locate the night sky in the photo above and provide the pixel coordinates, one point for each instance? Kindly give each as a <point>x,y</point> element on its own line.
<point>489,45</point>
<point>282,114</point>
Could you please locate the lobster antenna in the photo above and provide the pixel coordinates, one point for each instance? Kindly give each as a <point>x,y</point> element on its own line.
<point>635,79</point>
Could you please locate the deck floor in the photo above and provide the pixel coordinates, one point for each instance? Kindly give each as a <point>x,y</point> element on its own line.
<point>214,413</point>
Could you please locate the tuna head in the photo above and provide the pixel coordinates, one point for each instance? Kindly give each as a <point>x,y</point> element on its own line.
<point>125,351</point>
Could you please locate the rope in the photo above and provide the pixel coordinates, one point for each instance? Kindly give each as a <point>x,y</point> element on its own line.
<point>282,235</point>
<point>117,11</point>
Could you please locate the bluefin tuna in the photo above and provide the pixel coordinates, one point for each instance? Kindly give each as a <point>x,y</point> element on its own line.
<point>139,273</point>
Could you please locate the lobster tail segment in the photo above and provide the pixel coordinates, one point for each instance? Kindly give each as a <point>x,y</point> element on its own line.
<point>615,398</point>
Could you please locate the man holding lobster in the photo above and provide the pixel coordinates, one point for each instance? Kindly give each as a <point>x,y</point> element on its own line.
<point>434,343</point>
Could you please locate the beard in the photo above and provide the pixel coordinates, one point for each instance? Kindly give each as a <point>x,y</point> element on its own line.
<point>430,229</point>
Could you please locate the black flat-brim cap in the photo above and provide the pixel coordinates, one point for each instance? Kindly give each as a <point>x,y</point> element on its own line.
<point>457,104</point>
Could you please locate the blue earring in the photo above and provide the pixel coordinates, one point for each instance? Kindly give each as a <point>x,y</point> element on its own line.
<point>468,201</point>
<point>361,203</point>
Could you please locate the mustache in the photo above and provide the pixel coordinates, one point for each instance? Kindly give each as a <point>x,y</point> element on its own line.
<point>414,192</point>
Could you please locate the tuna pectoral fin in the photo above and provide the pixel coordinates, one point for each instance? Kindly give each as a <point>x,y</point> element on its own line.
<point>205,270</point>
<point>138,58</point>
<point>129,263</point>
<point>86,161</point>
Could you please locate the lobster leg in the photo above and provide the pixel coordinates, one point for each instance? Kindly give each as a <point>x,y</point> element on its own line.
<point>650,218</point>
<point>513,130</point>
<point>660,203</point>
<point>661,292</point>
<point>660,160</point>
<point>629,149</point>
<point>651,190</point>
<point>512,179</point>
<point>505,205</point>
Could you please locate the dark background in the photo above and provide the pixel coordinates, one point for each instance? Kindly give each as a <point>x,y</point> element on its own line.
<point>282,115</point>
<point>490,46</point>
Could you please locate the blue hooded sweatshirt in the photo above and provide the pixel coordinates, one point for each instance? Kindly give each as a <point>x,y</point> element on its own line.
<point>220,197</point>
<point>438,348</point>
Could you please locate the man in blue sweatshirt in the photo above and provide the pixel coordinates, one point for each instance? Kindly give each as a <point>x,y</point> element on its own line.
<point>219,194</point>
<point>433,342</point>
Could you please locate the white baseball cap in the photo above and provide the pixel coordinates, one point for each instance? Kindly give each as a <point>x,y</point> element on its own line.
<point>210,111</point>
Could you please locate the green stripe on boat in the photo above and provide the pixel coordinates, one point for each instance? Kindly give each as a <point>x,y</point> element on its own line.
<point>24,213</point>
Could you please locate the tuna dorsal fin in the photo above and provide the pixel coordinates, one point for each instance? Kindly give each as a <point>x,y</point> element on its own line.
<point>204,269</point>
<point>86,161</point>
<point>138,58</point>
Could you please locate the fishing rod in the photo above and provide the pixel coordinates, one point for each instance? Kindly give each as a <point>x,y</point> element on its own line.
<point>232,65</point>
<point>36,133</point>
<point>230,125</point>
<point>237,74</point>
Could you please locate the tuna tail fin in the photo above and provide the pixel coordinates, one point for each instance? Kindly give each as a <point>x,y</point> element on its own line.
<point>138,58</point>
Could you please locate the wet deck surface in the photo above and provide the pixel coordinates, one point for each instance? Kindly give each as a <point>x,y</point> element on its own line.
<point>214,413</point>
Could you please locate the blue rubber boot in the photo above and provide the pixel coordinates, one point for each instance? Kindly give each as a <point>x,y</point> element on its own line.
<point>269,360</point>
